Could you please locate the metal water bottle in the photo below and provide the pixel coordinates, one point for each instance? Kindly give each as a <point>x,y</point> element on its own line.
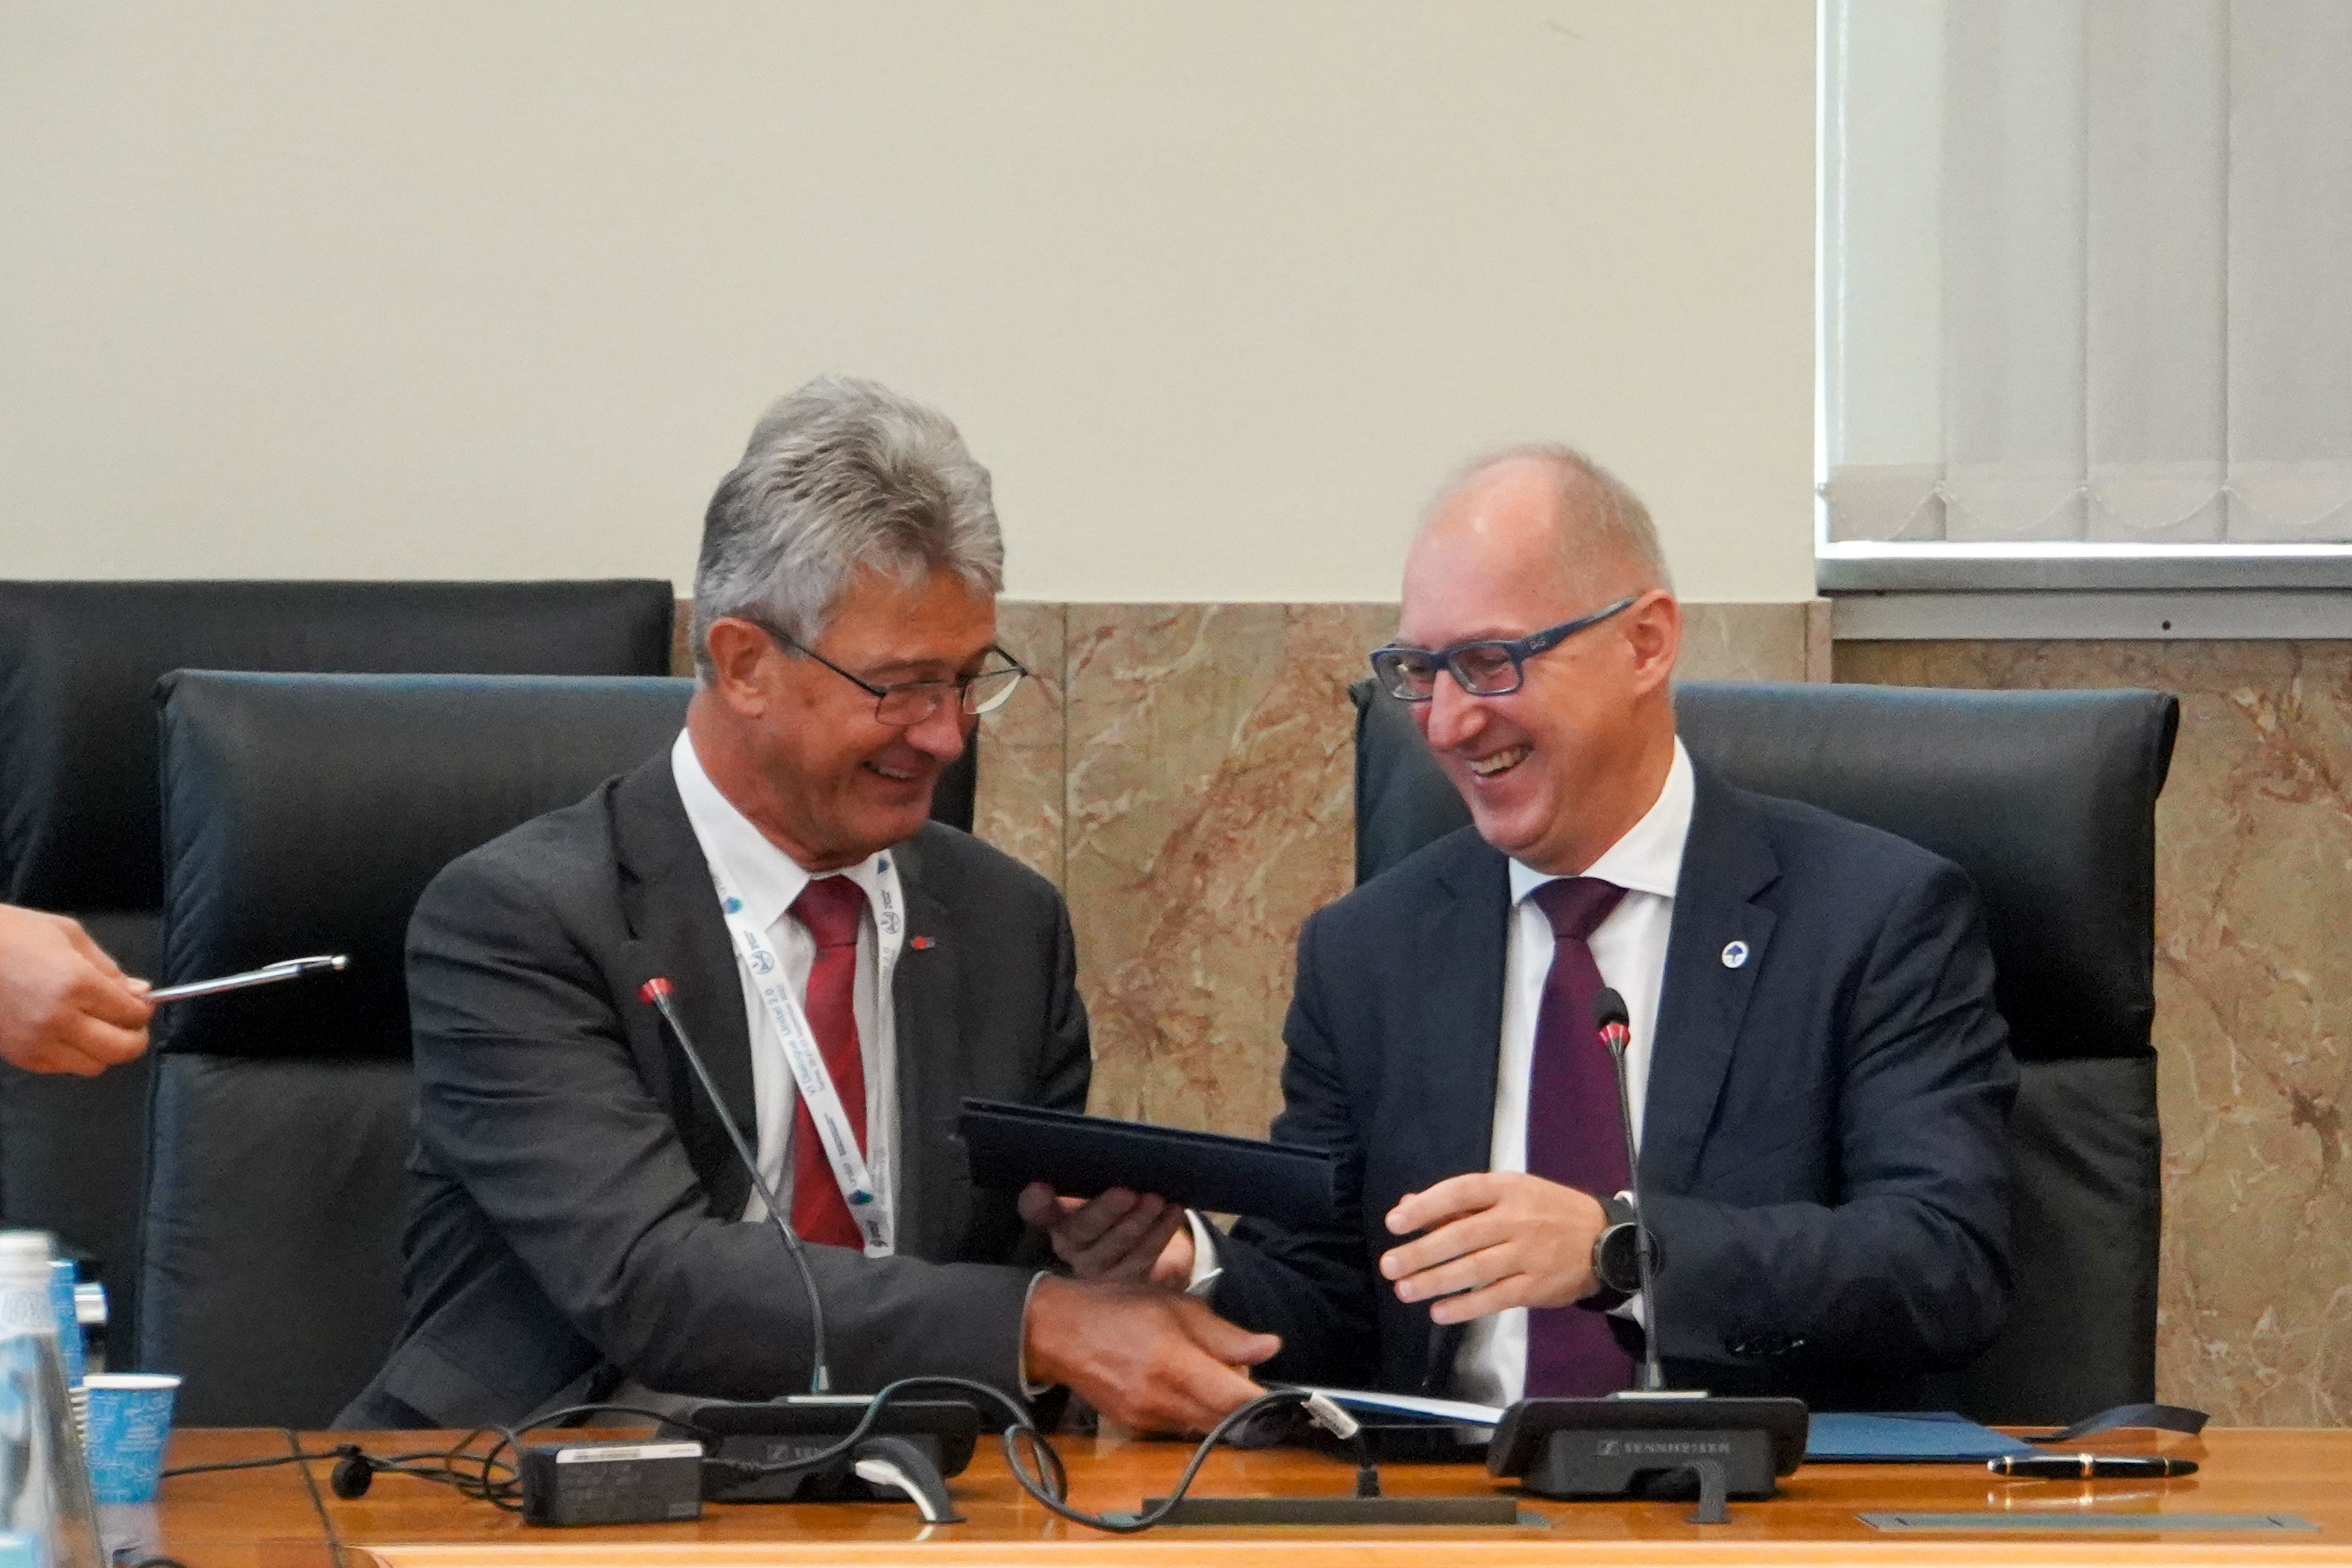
<point>43,1479</point>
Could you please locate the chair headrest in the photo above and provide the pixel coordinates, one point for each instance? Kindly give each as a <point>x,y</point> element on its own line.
<point>2046,798</point>
<point>78,663</point>
<point>304,814</point>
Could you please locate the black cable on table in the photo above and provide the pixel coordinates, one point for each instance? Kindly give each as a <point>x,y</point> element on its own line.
<point>318,1504</point>
<point>1036,1465</point>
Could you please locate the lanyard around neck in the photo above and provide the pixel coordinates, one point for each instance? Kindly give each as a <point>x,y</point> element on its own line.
<point>868,1208</point>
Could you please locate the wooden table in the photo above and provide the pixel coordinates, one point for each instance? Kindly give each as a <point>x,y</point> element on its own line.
<point>268,1518</point>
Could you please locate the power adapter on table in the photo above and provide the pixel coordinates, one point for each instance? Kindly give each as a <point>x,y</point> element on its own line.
<point>611,1483</point>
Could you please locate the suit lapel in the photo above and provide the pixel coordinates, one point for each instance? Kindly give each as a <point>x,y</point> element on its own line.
<point>1454,1035</point>
<point>1725,863</point>
<point>923,999</point>
<point>672,908</point>
<point>1457,1026</point>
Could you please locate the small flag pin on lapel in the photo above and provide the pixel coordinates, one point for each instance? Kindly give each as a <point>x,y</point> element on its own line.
<point>920,943</point>
<point>1735,954</point>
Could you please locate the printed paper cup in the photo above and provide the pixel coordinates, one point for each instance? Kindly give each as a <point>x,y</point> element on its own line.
<point>129,1418</point>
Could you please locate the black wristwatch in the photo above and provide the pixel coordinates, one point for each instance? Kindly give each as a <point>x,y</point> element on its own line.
<point>1615,1265</point>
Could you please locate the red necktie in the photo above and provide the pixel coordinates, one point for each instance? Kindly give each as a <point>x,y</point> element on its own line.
<point>832,907</point>
<point>1576,1134</point>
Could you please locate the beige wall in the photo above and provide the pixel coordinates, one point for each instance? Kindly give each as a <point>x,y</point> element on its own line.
<point>1218,288</point>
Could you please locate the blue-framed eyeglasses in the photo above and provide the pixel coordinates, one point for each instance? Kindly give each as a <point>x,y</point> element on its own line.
<point>1489,667</point>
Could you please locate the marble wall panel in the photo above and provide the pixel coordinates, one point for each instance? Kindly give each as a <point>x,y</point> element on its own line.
<point>2253,1026</point>
<point>1746,642</point>
<point>1209,802</point>
<point>1019,806</point>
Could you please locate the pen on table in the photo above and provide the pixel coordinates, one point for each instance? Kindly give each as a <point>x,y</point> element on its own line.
<point>2087,1466</point>
<point>268,974</point>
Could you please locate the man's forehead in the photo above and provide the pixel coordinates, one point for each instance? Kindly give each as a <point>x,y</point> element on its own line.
<point>885,632</point>
<point>1475,581</point>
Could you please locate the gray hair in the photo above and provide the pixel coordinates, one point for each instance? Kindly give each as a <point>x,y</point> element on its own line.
<point>841,474</point>
<point>1598,507</point>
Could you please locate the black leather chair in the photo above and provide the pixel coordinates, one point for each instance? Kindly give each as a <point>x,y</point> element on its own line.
<point>80,828</point>
<point>305,813</point>
<point>2048,800</point>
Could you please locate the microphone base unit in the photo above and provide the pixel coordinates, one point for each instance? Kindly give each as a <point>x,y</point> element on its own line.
<point>1652,1446</point>
<point>928,1440</point>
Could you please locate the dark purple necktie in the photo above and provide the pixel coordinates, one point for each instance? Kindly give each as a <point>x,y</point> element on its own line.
<point>1576,1134</point>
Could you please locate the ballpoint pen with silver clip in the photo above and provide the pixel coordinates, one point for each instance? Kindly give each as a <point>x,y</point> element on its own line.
<point>268,974</point>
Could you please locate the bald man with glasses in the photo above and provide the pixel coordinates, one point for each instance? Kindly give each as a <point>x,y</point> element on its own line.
<point>1817,1078</point>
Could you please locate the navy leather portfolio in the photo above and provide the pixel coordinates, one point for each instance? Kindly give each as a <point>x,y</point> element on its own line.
<point>1081,1156</point>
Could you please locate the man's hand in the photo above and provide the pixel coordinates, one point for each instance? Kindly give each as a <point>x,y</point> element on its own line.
<point>64,1005</point>
<point>1505,1238</point>
<point>1118,1236</point>
<point>1145,1358</point>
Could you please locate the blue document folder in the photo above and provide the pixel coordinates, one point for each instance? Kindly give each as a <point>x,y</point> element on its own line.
<point>1925,1438</point>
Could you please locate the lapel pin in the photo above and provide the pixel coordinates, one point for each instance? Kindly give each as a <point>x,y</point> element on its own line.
<point>920,943</point>
<point>1735,954</point>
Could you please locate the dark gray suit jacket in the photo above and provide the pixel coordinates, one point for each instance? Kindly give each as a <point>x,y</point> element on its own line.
<point>1824,1147</point>
<point>574,1218</point>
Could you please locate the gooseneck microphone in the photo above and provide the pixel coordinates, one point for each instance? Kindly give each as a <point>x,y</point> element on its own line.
<point>1610,1017</point>
<point>657,992</point>
<point>1638,1439</point>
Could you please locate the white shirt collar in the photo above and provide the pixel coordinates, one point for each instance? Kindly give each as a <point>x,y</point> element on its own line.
<point>1649,857</point>
<point>765,878</point>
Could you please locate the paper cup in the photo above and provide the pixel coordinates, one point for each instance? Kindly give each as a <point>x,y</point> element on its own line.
<point>129,1418</point>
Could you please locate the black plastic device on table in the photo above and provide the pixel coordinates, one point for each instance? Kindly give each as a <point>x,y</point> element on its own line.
<point>1650,1441</point>
<point>783,1431</point>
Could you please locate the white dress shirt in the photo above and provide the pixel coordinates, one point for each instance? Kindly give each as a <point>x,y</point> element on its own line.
<point>768,881</point>
<point>1630,949</point>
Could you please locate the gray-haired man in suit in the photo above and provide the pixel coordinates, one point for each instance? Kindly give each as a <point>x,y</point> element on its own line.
<point>582,1220</point>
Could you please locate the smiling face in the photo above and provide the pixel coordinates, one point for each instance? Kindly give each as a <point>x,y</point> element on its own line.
<point>1557,771</point>
<point>796,747</point>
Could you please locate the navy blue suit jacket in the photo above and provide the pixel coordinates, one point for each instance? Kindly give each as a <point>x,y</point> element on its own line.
<point>1824,1153</point>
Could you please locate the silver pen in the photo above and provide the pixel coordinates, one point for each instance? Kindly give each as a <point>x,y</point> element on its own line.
<point>268,974</point>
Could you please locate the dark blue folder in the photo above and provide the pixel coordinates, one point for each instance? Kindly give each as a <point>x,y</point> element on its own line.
<point>1925,1438</point>
<point>1081,1156</point>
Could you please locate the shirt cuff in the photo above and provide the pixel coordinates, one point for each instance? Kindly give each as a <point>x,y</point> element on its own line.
<point>1021,1356</point>
<point>1205,1268</point>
